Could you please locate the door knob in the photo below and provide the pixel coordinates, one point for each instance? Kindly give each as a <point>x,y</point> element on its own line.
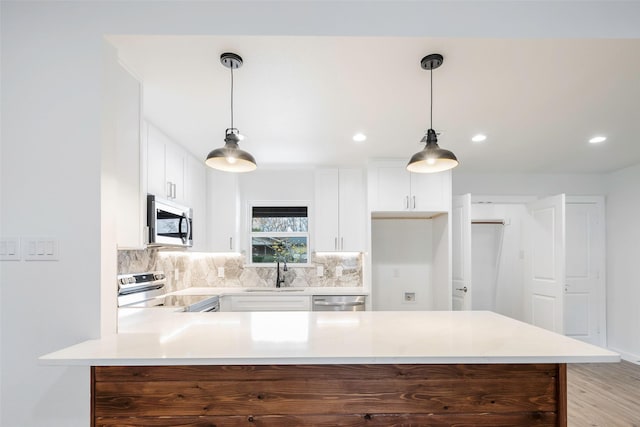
<point>462,289</point>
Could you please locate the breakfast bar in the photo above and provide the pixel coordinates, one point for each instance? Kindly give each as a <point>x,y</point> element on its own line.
<point>327,368</point>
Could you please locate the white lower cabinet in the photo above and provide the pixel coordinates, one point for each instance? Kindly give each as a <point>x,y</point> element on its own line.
<point>266,303</point>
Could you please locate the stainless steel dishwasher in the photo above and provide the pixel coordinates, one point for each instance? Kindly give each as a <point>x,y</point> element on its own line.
<point>339,302</point>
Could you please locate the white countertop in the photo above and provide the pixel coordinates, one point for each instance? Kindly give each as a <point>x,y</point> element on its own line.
<point>273,291</point>
<point>163,337</point>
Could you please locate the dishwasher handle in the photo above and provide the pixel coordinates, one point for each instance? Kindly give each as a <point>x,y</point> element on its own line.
<point>338,304</point>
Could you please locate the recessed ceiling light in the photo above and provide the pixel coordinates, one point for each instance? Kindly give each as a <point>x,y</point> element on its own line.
<point>359,137</point>
<point>479,137</point>
<point>597,139</point>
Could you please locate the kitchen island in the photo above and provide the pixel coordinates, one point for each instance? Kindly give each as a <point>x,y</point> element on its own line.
<point>327,369</point>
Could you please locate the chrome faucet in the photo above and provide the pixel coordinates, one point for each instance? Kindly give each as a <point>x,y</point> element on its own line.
<point>279,279</point>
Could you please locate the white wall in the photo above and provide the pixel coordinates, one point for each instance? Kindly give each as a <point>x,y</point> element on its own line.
<point>510,278</point>
<point>623,253</point>
<point>51,78</point>
<point>528,184</point>
<point>402,261</point>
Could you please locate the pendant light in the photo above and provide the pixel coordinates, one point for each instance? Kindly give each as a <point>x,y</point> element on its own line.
<point>432,158</point>
<point>231,158</point>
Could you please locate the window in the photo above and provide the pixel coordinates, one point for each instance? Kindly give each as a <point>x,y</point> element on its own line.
<point>279,234</point>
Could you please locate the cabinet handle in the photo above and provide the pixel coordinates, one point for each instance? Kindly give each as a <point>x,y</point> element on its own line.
<point>231,243</point>
<point>335,243</point>
<point>173,186</point>
<point>168,189</point>
<point>414,202</point>
<point>342,243</point>
<point>406,202</point>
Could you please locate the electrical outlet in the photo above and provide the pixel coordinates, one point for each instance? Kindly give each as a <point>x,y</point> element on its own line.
<point>319,271</point>
<point>409,297</point>
<point>221,272</point>
<point>338,271</point>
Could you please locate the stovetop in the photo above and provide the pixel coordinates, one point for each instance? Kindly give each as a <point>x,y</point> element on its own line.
<point>147,290</point>
<point>190,302</point>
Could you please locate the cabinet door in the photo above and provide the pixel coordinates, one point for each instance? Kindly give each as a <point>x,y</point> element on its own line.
<point>430,191</point>
<point>270,303</point>
<point>223,211</point>
<point>156,183</point>
<point>196,198</point>
<point>174,171</point>
<point>326,210</point>
<point>352,211</point>
<point>126,109</point>
<point>393,186</point>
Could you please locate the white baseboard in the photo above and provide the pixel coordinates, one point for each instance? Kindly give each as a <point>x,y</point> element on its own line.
<point>629,357</point>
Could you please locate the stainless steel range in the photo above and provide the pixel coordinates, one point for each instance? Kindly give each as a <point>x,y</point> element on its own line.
<point>148,290</point>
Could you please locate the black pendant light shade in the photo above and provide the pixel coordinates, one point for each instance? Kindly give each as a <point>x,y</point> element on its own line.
<point>432,158</point>
<point>231,158</point>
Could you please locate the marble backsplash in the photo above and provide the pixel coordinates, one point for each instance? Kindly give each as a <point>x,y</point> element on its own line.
<point>190,269</point>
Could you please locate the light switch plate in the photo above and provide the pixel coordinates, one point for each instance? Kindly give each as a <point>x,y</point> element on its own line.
<point>10,249</point>
<point>220,271</point>
<point>40,249</point>
<point>319,271</point>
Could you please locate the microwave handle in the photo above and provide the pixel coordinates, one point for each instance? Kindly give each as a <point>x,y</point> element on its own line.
<point>185,237</point>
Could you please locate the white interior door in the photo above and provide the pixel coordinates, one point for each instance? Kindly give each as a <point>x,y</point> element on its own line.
<point>461,252</point>
<point>584,289</point>
<point>545,263</point>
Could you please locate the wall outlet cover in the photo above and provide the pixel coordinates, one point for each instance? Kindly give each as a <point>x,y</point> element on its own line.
<point>319,271</point>
<point>220,271</point>
<point>409,297</point>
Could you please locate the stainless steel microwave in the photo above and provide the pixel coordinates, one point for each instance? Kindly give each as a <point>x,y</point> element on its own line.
<point>169,224</point>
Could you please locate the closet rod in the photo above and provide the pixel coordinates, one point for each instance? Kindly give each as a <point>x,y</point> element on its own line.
<point>487,221</point>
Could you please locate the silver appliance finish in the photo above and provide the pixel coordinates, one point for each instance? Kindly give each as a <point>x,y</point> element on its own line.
<point>339,302</point>
<point>147,290</point>
<point>169,224</point>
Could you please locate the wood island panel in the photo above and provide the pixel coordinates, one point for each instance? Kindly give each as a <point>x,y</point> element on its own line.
<point>330,395</point>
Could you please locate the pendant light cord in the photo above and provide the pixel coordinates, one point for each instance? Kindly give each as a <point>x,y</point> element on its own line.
<point>431,104</point>
<point>231,97</point>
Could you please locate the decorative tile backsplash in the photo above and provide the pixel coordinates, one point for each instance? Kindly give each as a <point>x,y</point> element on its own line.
<point>194,269</point>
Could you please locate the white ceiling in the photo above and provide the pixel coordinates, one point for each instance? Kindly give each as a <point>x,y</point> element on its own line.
<point>299,100</point>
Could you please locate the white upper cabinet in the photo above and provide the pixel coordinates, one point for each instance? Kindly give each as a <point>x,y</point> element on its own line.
<point>223,211</point>
<point>393,189</point>
<point>195,185</point>
<point>175,174</point>
<point>166,166</point>
<point>124,113</point>
<point>340,210</point>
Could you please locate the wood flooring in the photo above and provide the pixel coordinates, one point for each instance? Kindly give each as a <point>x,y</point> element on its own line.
<point>603,395</point>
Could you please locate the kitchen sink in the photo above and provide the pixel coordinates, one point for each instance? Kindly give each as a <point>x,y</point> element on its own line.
<point>275,290</point>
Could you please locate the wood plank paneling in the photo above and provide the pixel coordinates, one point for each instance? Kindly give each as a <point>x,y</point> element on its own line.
<point>535,419</point>
<point>275,372</point>
<point>321,395</point>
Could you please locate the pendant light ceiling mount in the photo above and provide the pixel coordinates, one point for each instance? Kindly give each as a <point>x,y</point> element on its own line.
<point>431,62</point>
<point>231,158</point>
<point>231,60</point>
<point>432,158</point>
